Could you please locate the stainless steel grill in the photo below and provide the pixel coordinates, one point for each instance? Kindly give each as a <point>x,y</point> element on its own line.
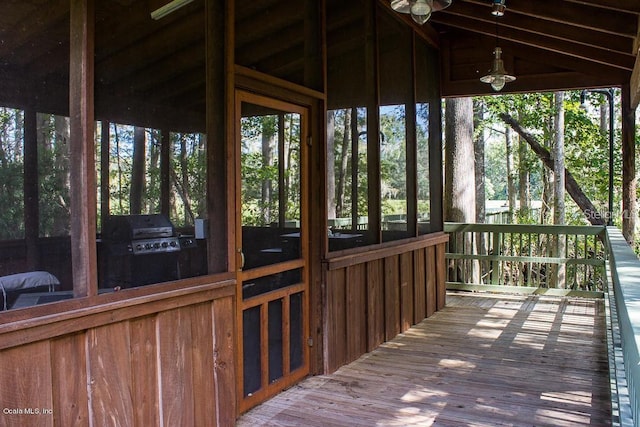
<point>140,250</point>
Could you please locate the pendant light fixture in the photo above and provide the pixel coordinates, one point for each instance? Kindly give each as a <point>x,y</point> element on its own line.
<point>498,7</point>
<point>498,76</point>
<point>420,10</point>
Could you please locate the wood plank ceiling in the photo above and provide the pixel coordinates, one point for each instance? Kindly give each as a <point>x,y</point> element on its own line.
<point>547,45</point>
<point>155,69</point>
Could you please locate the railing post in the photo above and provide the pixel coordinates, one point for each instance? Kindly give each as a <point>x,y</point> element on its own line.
<point>496,265</point>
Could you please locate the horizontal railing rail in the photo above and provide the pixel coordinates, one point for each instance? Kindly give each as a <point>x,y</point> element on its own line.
<point>623,322</point>
<point>526,258</point>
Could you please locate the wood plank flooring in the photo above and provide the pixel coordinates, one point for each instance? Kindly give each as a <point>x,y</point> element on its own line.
<point>484,360</point>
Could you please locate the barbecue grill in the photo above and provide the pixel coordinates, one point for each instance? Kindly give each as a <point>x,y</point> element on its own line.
<point>140,250</point>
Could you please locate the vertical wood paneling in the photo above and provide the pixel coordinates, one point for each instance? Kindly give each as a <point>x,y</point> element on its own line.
<point>375,304</point>
<point>356,311</point>
<point>69,379</point>
<point>406,290</point>
<point>25,382</point>
<point>172,367</point>
<point>175,345</point>
<point>223,359</point>
<point>110,375</point>
<point>335,349</point>
<point>441,277</point>
<point>420,286</point>
<point>144,365</point>
<point>432,302</point>
<point>391,297</point>
<point>203,376</point>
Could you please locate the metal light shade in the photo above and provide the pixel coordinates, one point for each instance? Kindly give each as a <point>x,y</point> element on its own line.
<point>497,77</point>
<point>441,4</point>
<point>404,6</point>
<point>420,10</point>
<point>401,6</point>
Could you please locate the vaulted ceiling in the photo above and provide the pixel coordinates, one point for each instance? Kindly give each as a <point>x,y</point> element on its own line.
<point>548,45</point>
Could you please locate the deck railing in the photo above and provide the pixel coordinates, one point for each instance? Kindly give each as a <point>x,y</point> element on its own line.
<point>569,260</point>
<point>526,258</point>
<point>624,331</point>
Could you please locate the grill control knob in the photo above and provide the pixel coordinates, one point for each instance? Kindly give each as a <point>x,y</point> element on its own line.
<point>156,245</point>
<point>173,244</point>
<point>165,244</point>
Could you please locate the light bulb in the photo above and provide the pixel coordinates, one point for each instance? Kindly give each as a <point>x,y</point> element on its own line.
<point>420,11</point>
<point>498,82</point>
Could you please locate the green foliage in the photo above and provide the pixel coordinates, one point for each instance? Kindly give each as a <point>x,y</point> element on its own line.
<point>586,147</point>
<point>260,161</point>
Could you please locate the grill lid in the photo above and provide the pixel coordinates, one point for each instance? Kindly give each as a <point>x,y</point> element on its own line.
<point>125,228</point>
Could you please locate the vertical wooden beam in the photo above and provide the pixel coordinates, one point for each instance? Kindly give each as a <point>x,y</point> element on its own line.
<point>219,110</point>
<point>315,76</point>
<point>83,176</point>
<point>372,78</point>
<point>31,194</point>
<point>412,150</point>
<point>629,180</point>
<point>435,160</point>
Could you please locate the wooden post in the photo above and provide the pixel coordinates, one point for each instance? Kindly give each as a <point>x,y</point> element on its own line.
<point>219,101</point>
<point>629,181</point>
<point>83,176</point>
<point>495,264</point>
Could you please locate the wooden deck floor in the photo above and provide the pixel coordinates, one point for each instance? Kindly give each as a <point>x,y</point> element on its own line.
<point>482,361</point>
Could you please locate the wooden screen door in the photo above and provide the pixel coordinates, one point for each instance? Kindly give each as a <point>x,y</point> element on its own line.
<point>271,242</point>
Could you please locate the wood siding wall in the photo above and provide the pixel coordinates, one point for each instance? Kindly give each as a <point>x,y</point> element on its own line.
<point>160,359</point>
<point>373,296</point>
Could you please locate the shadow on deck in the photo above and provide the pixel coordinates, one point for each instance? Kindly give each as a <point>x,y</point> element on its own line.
<point>485,360</point>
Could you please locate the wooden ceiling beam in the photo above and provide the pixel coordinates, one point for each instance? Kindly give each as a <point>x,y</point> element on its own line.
<point>632,6</point>
<point>565,32</point>
<point>563,12</point>
<point>588,53</point>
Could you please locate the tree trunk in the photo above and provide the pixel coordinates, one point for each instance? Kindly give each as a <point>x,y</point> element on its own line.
<point>459,188</point>
<point>546,211</point>
<point>481,210</point>
<point>154,165</point>
<point>572,187</point>
<point>478,150</point>
<point>331,164</point>
<point>137,171</point>
<point>524,187</point>
<point>558,161</point>
<point>268,135</point>
<point>62,176</point>
<point>558,207</point>
<point>344,155</point>
<point>511,175</point>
